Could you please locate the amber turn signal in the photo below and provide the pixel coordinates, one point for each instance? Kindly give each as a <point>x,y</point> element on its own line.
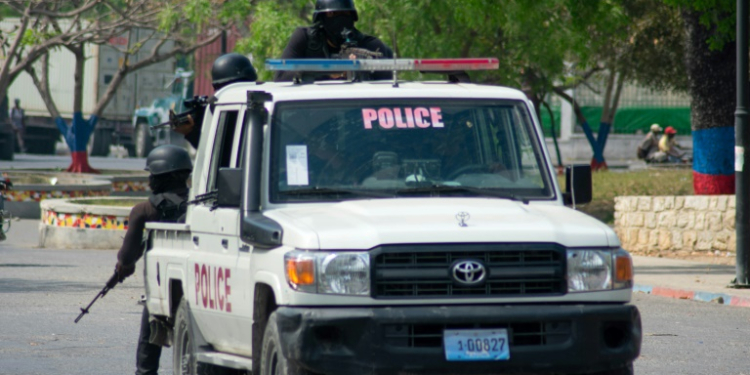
<point>300,271</point>
<point>624,269</point>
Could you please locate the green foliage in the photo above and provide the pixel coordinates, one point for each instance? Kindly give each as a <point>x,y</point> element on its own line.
<point>505,29</point>
<point>33,36</point>
<point>720,16</point>
<point>273,23</point>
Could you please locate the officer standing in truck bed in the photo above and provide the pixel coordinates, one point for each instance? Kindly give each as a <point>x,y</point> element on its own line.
<point>331,20</point>
<point>226,70</point>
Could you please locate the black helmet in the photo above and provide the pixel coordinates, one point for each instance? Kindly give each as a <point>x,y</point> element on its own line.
<point>325,6</point>
<point>231,68</point>
<point>168,158</point>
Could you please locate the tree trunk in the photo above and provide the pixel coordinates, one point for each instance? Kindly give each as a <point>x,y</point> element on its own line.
<point>79,132</point>
<point>6,78</point>
<point>597,161</point>
<point>711,80</point>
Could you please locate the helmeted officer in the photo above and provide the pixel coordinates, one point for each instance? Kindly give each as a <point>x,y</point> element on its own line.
<point>169,167</point>
<point>333,23</point>
<point>226,70</point>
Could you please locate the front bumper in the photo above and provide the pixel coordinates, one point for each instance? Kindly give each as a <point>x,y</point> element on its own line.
<point>544,339</point>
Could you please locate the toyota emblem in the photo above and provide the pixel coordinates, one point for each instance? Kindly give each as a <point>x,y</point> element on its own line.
<point>462,218</point>
<point>469,272</point>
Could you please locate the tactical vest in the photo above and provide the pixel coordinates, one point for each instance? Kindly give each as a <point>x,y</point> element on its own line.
<point>316,41</point>
<point>170,206</point>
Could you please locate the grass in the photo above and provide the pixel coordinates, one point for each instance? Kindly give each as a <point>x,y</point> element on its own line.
<point>109,202</point>
<point>608,185</point>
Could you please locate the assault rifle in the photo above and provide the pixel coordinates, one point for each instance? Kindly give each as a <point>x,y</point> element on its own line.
<point>207,197</point>
<point>193,105</point>
<point>110,284</point>
<point>349,49</point>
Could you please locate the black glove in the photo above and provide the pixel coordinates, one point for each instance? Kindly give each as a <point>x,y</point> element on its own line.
<point>123,271</point>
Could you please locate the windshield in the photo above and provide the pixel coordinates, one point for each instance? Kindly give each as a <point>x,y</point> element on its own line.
<point>339,150</point>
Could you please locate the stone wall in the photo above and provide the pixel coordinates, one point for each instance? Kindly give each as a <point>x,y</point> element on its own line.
<point>678,224</point>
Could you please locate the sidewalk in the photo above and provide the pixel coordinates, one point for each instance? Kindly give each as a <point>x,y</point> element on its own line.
<point>685,279</point>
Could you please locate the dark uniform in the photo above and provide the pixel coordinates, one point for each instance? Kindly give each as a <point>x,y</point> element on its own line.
<point>169,166</point>
<point>226,70</point>
<point>324,39</point>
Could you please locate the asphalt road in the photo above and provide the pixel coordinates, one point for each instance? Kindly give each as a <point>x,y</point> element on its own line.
<point>41,291</point>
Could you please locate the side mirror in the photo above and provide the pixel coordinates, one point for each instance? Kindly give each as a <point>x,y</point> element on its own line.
<point>577,185</point>
<point>229,187</point>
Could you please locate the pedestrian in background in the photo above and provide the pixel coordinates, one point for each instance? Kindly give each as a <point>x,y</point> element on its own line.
<point>17,119</point>
<point>648,150</point>
<point>668,145</point>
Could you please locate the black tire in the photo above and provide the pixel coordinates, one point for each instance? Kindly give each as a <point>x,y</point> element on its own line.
<point>7,143</point>
<point>48,147</point>
<point>183,354</point>
<point>100,141</point>
<point>142,139</point>
<point>131,150</point>
<point>272,359</point>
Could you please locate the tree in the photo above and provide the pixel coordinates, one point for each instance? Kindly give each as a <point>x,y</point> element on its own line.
<point>710,60</point>
<point>187,25</point>
<point>25,43</point>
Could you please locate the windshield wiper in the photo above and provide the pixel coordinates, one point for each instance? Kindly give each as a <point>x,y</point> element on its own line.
<point>464,189</point>
<point>337,191</point>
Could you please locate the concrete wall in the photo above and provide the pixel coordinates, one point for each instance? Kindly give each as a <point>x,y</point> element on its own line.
<point>678,224</point>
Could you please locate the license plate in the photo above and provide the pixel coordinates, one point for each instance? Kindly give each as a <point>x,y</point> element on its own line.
<point>476,344</point>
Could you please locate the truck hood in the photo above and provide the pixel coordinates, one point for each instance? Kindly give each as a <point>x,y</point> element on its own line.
<point>364,224</point>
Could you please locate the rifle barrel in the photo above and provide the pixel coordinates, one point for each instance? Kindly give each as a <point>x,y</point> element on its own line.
<point>110,284</point>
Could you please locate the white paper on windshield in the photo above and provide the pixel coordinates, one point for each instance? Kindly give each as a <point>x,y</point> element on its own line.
<point>297,173</point>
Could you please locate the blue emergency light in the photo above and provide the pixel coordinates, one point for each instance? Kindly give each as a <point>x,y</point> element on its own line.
<point>421,65</point>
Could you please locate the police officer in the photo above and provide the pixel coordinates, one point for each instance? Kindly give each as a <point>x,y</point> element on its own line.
<point>333,22</point>
<point>227,69</point>
<point>169,168</point>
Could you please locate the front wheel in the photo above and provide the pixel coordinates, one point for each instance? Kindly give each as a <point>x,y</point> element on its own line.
<point>183,354</point>
<point>273,361</point>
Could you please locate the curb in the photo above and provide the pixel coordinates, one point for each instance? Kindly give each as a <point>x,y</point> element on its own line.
<point>721,298</point>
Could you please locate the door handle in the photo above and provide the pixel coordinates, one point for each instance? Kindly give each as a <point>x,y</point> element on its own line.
<point>225,243</point>
<point>196,240</point>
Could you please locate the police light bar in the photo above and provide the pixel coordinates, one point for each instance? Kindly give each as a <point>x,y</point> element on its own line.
<point>421,65</point>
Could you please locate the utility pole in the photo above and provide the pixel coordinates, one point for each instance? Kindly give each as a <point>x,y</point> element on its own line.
<point>742,144</point>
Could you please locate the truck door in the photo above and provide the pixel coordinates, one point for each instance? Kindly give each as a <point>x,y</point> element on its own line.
<point>217,287</point>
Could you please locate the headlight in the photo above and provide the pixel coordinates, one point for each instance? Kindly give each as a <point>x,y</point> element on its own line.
<point>589,270</point>
<point>329,273</point>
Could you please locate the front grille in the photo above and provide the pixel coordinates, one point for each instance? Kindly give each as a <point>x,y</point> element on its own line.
<point>519,334</point>
<point>426,271</point>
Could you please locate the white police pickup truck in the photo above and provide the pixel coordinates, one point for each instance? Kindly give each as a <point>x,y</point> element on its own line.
<point>344,227</point>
